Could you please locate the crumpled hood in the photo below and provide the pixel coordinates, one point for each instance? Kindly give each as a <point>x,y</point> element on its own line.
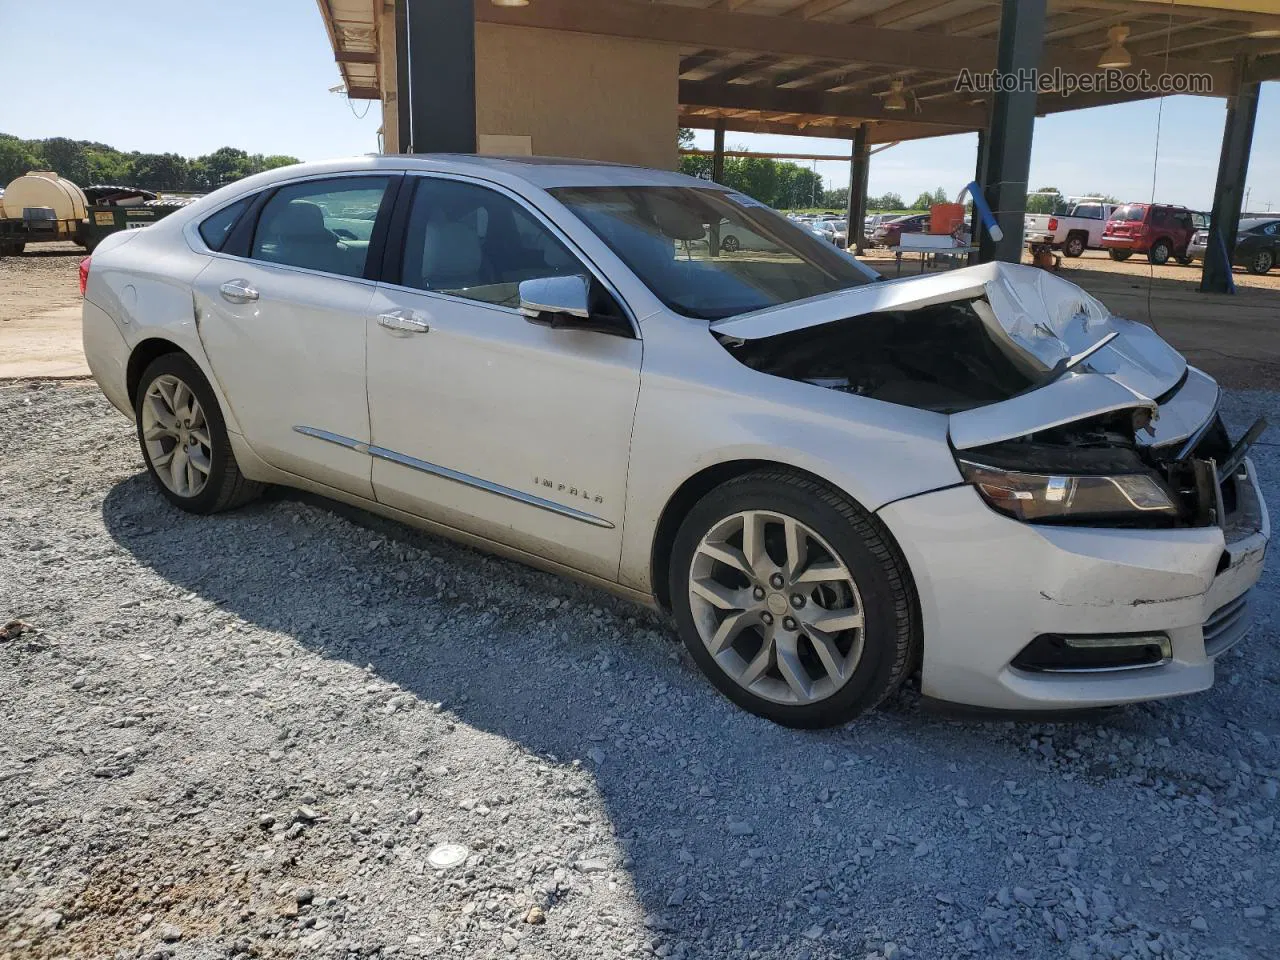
<point>1037,319</point>
<point>1040,316</point>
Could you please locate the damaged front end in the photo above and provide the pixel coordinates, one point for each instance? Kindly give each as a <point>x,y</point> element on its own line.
<point>1059,411</point>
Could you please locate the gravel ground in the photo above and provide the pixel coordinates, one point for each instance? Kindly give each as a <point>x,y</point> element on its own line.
<point>245,736</point>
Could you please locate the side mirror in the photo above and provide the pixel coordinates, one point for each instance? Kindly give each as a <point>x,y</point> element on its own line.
<point>556,301</point>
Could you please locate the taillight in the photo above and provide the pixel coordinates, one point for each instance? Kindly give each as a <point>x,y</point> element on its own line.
<point>84,274</point>
<point>1053,223</point>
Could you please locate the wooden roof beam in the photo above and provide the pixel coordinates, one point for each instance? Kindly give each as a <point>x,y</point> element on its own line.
<point>788,36</point>
<point>867,106</point>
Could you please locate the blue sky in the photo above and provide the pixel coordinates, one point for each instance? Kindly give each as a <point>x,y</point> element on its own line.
<point>195,75</point>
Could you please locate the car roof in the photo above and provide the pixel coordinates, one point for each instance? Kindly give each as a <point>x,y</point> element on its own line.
<point>1251,222</point>
<point>545,172</point>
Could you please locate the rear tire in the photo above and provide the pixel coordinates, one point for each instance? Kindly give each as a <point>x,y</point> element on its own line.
<point>827,627</point>
<point>1262,262</point>
<point>1159,253</point>
<point>182,433</point>
<point>1120,256</point>
<point>1074,246</point>
<point>730,244</point>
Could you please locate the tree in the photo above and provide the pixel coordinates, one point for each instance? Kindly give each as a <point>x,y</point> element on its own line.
<point>837,199</point>
<point>890,201</point>
<point>941,196</point>
<point>923,202</point>
<point>694,165</point>
<point>684,139</point>
<point>1044,200</point>
<point>16,158</point>
<point>158,171</point>
<point>224,165</point>
<point>67,158</point>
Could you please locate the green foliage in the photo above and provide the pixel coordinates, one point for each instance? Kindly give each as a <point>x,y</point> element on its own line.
<point>1045,200</point>
<point>774,182</point>
<point>85,163</point>
<point>684,139</point>
<point>890,201</point>
<point>837,199</point>
<point>926,200</point>
<point>16,158</point>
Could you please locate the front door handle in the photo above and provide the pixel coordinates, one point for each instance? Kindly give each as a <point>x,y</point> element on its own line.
<point>238,291</point>
<point>403,321</point>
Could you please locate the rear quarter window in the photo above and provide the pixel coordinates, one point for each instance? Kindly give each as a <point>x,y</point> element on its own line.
<point>215,229</point>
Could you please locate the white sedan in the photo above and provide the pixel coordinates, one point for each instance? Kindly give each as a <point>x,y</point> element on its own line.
<point>829,480</point>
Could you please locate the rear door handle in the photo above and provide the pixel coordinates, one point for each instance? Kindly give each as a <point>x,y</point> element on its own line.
<point>403,321</point>
<point>238,291</point>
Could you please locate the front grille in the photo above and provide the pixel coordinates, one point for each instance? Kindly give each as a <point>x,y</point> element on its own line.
<point>1227,626</point>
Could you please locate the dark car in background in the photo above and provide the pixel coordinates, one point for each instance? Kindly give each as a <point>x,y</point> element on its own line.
<point>1258,245</point>
<point>1160,230</point>
<point>889,233</point>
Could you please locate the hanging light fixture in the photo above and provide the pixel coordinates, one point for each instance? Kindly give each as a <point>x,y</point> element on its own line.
<point>1116,57</point>
<point>895,99</point>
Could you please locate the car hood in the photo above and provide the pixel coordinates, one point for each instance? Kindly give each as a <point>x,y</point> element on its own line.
<point>1034,316</point>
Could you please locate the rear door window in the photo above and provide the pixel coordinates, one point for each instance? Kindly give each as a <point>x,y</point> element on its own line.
<point>323,225</point>
<point>1090,211</point>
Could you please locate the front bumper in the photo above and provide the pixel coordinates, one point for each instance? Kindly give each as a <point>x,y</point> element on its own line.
<point>989,585</point>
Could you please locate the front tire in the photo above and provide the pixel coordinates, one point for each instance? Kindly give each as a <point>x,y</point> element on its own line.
<point>793,600</point>
<point>184,438</point>
<point>730,244</point>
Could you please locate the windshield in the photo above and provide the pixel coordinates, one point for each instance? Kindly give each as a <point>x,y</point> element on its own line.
<point>710,254</point>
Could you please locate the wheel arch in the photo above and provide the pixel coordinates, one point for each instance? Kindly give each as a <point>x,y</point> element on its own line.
<point>143,355</point>
<point>703,482</point>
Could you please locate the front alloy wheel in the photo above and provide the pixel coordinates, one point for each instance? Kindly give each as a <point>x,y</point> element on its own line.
<point>776,608</point>
<point>792,599</point>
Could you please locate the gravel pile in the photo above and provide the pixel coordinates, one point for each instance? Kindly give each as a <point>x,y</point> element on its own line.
<point>298,732</point>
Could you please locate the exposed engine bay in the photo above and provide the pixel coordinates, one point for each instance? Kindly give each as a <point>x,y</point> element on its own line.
<point>1106,465</point>
<point>941,357</point>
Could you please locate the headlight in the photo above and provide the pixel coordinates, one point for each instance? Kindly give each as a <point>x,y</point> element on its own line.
<point>1032,497</point>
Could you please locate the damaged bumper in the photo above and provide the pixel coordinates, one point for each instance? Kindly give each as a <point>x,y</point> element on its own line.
<point>1022,581</point>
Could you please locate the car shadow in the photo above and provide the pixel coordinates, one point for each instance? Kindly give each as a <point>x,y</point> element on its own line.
<point>733,826</point>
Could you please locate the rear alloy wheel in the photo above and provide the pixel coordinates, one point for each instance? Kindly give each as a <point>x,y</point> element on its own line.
<point>1160,253</point>
<point>1262,262</point>
<point>730,244</point>
<point>1074,246</point>
<point>792,600</point>
<point>184,439</point>
<point>1120,255</point>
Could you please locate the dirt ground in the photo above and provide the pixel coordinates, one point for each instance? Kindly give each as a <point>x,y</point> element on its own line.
<point>1236,338</point>
<point>40,313</point>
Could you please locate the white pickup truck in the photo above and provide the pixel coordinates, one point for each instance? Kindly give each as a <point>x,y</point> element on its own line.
<point>1079,228</point>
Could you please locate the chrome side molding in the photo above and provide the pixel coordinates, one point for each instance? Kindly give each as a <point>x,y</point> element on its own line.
<point>435,470</point>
